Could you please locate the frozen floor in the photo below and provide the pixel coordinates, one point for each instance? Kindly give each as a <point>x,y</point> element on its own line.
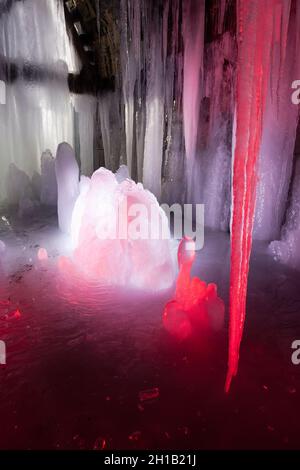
<point>80,355</point>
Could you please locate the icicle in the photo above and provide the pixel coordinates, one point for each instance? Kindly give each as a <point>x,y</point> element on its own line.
<point>128,72</point>
<point>174,158</point>
<point>154,133</point>
<point>193,37</point>
<point>255,28</point>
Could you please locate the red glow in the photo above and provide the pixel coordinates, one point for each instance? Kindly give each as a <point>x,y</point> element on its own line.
<point>15,315</point>
<point>255,24</point>
<point>42,254</point>
<point>195,303</point>
<point>150,394</point>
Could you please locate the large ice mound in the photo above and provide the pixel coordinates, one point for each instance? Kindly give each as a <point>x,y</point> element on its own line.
<point>120,234</point>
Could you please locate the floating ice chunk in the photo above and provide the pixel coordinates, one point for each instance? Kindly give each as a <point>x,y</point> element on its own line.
<point>122,174</point>
<point>48,180</point>
<point>67,175</point>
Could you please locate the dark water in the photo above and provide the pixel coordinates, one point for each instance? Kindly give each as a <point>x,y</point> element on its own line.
<point>90,366</point>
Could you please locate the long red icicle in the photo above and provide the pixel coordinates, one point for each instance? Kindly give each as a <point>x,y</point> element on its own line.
<point>255,35</point>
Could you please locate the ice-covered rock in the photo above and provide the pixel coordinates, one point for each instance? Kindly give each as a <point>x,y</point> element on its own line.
<point>27,204</point>
<point>20,191</point>
<point>48,179</point>
<point>36,184</point>
<point>17,184</point>
<point>67,176</point>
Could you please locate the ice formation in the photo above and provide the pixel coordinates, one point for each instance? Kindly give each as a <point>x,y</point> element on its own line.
<point>193,37</point>
<point>286,249</point>
<point>67,176</point>
<point>27,194</point>
<point>169,118</point>
<point>39,110</point>
<point>256,36</point>
<point>151,77</point>
<point>279,123</point>
<point>48,195</point>
<point>196,303</point>
<point>109,244</point>
<point>18,185</point>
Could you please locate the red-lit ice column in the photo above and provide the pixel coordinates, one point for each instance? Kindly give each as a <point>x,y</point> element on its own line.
<point>255,20</point>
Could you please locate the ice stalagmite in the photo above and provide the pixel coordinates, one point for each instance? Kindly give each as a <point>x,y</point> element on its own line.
<point>67,175</point>
<point>255,37</point>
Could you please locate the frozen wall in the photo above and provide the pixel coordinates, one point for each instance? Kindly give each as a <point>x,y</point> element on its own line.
<point>151,77</point>
<point>39,113</point>
<point>178,90</point>
<point>172,85</point>
<point>279,125</point>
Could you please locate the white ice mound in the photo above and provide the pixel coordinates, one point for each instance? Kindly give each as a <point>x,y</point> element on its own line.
<point>120,234</point>
<point>67,176</point>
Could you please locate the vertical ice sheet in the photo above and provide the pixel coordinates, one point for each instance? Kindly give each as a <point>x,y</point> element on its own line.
<point>279,124</point>
<point>85,106</point>
<point>151,64</point>
<point>38,112</point>
<point>110,118</point>
<point>193,37</point>
<point>212,168</point>
<point>154,134</point>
